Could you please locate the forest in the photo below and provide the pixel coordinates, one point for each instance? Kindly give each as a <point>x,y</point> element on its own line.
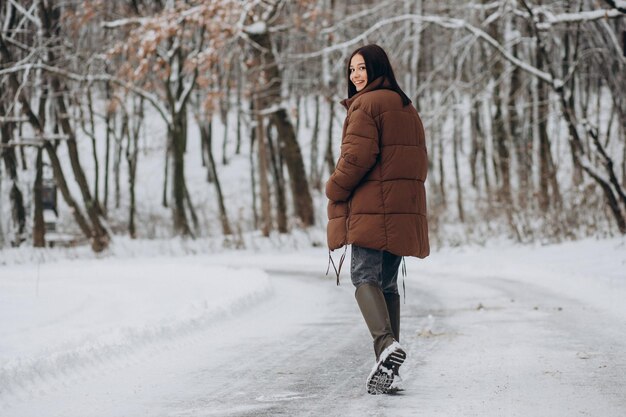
<point>155,119</point>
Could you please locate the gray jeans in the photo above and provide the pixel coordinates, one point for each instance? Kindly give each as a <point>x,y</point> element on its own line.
<point>375,267</point>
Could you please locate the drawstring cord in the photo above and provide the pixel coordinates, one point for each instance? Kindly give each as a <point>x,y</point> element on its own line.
<point>331,261</point>
<point>403,280</point>
<point>343,257</point>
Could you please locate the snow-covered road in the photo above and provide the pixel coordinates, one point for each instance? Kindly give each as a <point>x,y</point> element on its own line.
<point>478,345</point>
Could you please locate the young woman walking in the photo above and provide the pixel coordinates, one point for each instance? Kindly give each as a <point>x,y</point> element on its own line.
<point>377,201</point>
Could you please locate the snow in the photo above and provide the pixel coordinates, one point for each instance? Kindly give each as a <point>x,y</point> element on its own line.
<point>57,317</point>
<point>256,28</point>
<point>489,331</point>
<point>593,271</point>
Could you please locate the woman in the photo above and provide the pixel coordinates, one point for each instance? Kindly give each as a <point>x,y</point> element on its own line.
<point>377,201</point>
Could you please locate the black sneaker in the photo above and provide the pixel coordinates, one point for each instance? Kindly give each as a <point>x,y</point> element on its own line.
<point>381,378</point>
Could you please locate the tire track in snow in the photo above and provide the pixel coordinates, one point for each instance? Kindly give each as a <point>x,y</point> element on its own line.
<point>522,349</point>
<point>321,366</point>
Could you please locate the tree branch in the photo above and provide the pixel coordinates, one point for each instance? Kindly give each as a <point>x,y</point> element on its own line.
<point>114,24</point>
<point>617,4</point>
<point>153,99</point>
<point>27,14</point>
<point>586,16</point>
<point>445,22</point>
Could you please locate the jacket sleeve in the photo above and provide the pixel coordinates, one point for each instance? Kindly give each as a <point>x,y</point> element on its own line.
<point>359,151</point>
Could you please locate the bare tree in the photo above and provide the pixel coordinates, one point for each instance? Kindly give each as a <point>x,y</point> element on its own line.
<point>172,51</point>
<point>263,69</point>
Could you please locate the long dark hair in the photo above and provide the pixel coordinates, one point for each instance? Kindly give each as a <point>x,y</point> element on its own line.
<point>376,64</point>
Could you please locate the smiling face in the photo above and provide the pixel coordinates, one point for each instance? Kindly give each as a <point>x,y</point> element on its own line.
<point>358,72</point>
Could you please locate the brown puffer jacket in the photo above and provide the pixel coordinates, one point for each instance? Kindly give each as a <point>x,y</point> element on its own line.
<point>377,195</point>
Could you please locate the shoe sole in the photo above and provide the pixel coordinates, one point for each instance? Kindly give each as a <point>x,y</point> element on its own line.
<point>381,380</point>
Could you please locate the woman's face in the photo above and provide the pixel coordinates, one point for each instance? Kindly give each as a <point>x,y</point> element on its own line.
<point>358,73</point>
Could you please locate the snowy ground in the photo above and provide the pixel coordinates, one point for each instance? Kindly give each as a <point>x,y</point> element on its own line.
<point>496,331</point>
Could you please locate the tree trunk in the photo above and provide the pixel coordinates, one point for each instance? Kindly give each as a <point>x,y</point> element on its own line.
<point>476,142</point>
<point>307,116</point>
<point>520,139</point>
<point>2,237</point>
<point>57,169</point>
<point>329,158</point>
<point>94,147</point>
<point>117,160</point>
<point>178,139</point>
<point>303,203</point>
<point>109,123</point>
<point>502,150</point>
<point>498,127</point>
<point>442,175</point>
<point>623,134</point>
<point>578,149</point>
<point>458,124</point>
<point>39,227</point>
<point>59,179</point>
<point>415,54</point>
<point>207,139</point>
<point>253,130</point>
<point>299,185</point>
<point>567,61</point>
<point>423,68</point>
<point>15,195</point>
<point>585,164</point>
<point>314,175</point>
<point>132,155</point>
<point>192,210</point>
<point>298,113</point>
<point>205,134</point>
<point>166,170</point>
<point>547,171</point>
<point>224,113</point>
<point>212,168</point>
<point>239,107</point>
<point>100,239</point>
<point>23,156</point>
<point>483,138</point>
<point>608,165</point>
<point>266,215</point>
<point>279,182</point>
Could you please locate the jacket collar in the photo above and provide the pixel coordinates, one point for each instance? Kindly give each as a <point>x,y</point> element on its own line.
<point>379,83</point>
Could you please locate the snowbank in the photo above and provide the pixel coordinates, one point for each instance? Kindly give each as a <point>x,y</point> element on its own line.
<point>69,314</point>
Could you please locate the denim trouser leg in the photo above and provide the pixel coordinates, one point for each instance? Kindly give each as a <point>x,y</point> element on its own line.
<point>375,267</point>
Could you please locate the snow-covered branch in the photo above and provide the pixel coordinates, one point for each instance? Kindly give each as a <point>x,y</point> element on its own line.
<point>180,17</point>
<point>36,141</point>
<point>256,28</point>
<point>28,14</point>
<point>354,17</point>
<point>124,22</point>
<point>114,24</point>
<point>445,22</point>
<point>586,16</point>
<point>178,106</point>
<point>154,100</point>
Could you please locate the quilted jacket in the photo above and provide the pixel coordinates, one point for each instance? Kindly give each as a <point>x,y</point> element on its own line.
<point>376,194</point>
